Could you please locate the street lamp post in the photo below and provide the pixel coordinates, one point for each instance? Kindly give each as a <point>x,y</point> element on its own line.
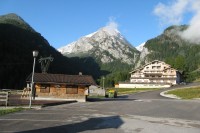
<point>35,54</point>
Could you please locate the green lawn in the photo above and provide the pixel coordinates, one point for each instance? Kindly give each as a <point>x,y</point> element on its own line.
<point>187,93</point>
<point>121,91</point>
<point>9,110</point>
<point>125,91</point>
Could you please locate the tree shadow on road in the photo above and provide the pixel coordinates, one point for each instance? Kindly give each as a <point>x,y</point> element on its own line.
<point>90,125</point>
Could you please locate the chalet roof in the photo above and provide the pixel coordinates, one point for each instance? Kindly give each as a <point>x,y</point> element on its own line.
<point>140,68</point>
<point>155,61</point>
<point>62,79</point>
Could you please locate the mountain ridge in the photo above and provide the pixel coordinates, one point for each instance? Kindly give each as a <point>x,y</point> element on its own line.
<point>16,20</point>
<point>169,46</point>
<point>105,40</point>
<point>17,41</point>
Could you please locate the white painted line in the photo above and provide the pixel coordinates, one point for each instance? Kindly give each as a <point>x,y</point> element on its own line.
<point>38,113</point>
<point>33,120</point>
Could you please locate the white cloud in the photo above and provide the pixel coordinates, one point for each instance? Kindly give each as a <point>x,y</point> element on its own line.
<point>192,34</point>
<point>174,12</point>
<point>112,24</point>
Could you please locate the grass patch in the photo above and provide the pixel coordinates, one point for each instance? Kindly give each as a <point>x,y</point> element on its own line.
<point>126,91</point>
<point>187,93</point>
<point>9,110</point>
<point>121,91</point>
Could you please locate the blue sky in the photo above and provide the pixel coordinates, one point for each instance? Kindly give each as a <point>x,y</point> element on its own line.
<point>64,21</point>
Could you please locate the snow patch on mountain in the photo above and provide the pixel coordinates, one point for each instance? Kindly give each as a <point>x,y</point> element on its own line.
<point>90,35</point>
<point>140,47</point>
<point>82,45</point>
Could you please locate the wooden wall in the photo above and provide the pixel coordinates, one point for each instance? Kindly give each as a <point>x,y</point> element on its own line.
<point>60,91</point>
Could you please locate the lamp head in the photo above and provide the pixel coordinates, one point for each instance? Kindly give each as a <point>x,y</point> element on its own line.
<point>35,53</point>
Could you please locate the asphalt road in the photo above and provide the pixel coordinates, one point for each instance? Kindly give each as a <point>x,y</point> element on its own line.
<point>139,113</point>
<point>156,94</point>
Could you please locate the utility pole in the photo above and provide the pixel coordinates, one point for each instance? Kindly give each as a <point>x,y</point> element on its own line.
<point>45,62</point>
<point>103,82</point>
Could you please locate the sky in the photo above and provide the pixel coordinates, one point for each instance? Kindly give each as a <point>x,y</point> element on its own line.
<point>64,21</point>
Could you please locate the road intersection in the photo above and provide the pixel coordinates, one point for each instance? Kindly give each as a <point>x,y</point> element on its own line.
<point>138,113</point>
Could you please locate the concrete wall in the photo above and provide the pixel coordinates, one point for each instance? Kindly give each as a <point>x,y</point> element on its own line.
<point>129,85</point>
<point>96,91</point>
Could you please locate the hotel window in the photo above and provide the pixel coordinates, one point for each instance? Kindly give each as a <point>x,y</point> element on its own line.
<point>44,88</point>
<point>71,89</point>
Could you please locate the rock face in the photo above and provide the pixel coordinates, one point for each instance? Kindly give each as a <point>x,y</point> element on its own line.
<point>105,45</point>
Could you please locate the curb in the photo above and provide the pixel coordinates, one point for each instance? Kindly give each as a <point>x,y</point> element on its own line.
<point>169,95</point>
<point>174,96</point>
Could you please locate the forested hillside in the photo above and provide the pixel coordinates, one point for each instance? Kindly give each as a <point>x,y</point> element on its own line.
<point>174,50</point>
<point>18,40</point>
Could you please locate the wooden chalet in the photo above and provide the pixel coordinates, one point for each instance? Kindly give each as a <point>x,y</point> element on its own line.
<point>60,86</point>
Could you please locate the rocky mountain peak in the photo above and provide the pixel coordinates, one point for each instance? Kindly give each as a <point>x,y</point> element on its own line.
<point>110,30</point>
<point>107,44</point>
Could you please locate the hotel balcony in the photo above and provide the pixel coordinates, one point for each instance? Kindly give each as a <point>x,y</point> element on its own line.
<point>153,72</point>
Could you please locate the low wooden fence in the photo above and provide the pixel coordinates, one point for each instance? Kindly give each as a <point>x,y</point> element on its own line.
<point>4,97</point>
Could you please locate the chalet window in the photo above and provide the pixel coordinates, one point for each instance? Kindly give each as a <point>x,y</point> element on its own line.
<point>153,67</point>
<point>45,88</point>
<point>57,86</point>
<point>72,89</point>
